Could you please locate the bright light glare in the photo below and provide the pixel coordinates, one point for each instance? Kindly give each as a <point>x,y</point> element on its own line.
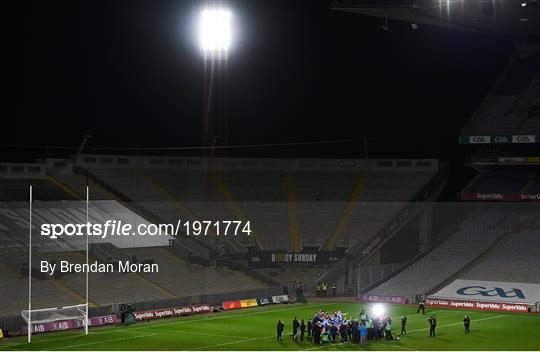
<point>215,32</point>
<point>378,310</point>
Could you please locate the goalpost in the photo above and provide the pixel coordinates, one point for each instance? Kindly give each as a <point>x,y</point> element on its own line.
<point>49,315</point>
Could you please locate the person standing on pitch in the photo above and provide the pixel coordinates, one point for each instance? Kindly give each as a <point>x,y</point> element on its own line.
<point>295,326</point>
<point>280,327</point>
<point>467,324</point>
<point>363,334</point>
<point>421,307</point>
<point>403,325</point>
<point>309,330</point>
<point>432,325</point>
<point>363,316</point>
<point>302,330</point>
<point>334,289</point>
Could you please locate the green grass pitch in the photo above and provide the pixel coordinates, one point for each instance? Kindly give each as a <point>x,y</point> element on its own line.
<point>254,329</point>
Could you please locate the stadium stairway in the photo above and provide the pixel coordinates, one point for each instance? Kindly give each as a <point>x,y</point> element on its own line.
<point>109,288</point>
<point>354,255</point>
<point>200,248</point>
<point>459,250</point>
<point>75,185</point>
<point>193,210</point>
<point>204,249</point>
<point>417,257</point>
<point>294,239</point>
<point>237,210</point>
<point>341,225</point>
<point>111,251</point>
<point>262,198</point>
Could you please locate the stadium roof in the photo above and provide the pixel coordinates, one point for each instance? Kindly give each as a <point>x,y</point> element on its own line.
<point>501,17</point>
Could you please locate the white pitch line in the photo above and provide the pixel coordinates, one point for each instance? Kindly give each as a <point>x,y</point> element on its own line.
<point>336,344</point>
<point>114,330</point>
<point>240,315</point>
<point>399,347</point>
<point>459,323</point>
<point>229,343</point>
<point>196,333</point>
<point>101,342</point>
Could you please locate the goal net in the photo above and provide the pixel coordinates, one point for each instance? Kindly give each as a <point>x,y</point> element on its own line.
<point>50,315</point>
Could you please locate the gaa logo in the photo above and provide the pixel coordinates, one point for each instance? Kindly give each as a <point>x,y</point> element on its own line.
<point>255,259</point>
<point>264,301</point>
<point>480,139</point>
<point>497,291</point>
<point>501,139</point>
<point>278,299</point>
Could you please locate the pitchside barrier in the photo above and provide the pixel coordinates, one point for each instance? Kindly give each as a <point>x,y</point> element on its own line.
<point>254,302</point>
<point>172,312</point>
<point>476,305</point>
<point>16,323</point>
<point>70,324</point>
<point>392,299</point>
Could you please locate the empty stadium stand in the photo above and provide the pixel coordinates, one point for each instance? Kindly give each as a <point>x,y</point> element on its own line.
<point>290,203</point>
<point>14,297</point>
<point>14,218</point>
<point>514,260</point>
<point>183,280</point>
<point>459,249</point>
<point>242,189</point>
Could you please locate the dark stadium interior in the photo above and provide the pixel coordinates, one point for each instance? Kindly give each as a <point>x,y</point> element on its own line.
<point>338,152</point>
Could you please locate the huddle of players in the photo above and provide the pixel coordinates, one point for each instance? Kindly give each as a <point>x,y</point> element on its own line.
<point>333,327</point>
<point>327,327</point>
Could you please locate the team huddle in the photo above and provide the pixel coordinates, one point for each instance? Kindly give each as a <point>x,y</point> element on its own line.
<point>326,327</point>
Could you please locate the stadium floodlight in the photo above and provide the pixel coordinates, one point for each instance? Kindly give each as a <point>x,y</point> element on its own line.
<point>378,310</point>
<point>215,31</point>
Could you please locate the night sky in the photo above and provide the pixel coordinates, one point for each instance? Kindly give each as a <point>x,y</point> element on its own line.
<point>130,74</point>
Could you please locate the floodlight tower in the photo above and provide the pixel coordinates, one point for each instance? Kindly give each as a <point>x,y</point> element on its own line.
<point>215,35</point>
